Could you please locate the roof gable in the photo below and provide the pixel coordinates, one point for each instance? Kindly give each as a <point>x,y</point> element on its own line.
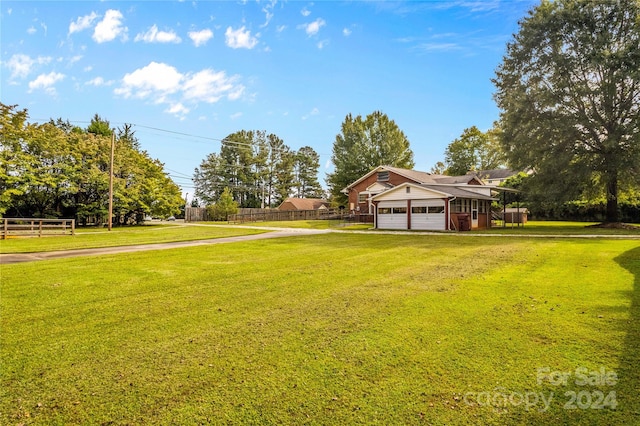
<point>415,192</point>
<point>305,203</point>
<point>414,176</point>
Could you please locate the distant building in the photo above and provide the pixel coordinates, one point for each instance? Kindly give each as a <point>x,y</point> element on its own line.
<point>495,176</point>
<point>303,204</point>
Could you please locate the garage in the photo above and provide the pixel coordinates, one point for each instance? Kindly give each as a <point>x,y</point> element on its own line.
<point>392,215</point>
<point>428,215</point>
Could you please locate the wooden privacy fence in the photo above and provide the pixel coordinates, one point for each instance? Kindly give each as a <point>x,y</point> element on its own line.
<point>36,227</point>
<point>281,215</point>
<point>195,214</point>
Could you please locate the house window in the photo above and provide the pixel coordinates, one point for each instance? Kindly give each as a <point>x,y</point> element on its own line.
<point>362,197</point>
<point>436,209</point>
<point>384,210</point>
<point>408,189</point>
<point>418,210</point>
<point>399,210</point>
<point>456,206</point>
<point>383,176</point>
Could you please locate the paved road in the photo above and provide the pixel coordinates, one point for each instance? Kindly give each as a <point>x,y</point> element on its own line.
<point>6,259</point>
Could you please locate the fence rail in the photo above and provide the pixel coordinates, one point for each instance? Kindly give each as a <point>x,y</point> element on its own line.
<point>279,215</point>
<point>36,227</point>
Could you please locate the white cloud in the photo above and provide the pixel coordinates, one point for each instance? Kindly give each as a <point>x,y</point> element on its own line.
<point>281,28</point>
<point>346,32</point>
<point>240,38</point>
<point>164,84</point>
<point>201,37</point>
<point>210,87</point>
<point>235,116</point>
<point>312,28</point>
<point>22,65</point>
<point>82,23</point>
<point>155,36</point>
<point>178,109</point>
<point>99,81</point>
<point>322,44</point>
<point>268,11</point>
<point>31,30</point>
<point>313,112</point>
<point>110,27</point>
<point>305,12</point>
<point>441,47</point>
<point>46,82</point>
<point>156,78</point>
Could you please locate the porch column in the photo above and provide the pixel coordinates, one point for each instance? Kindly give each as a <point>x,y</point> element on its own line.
<point>447,214</point>
<point>409,214</point>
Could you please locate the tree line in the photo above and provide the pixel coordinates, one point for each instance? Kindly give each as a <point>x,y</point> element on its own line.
<point>56,169</point>
<point>258,170</point>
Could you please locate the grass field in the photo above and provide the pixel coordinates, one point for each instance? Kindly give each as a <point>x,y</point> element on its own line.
<point>330,329</point>
<point>95,238</point>
<point>560,228</point>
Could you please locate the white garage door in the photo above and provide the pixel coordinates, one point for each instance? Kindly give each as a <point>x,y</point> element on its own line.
<point>392,215</point>
<point>428,215</point>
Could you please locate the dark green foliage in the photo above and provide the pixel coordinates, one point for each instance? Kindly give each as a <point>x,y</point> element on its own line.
<point>223,207</point>
<point>58,170</point>
<point>474,150</point>
<point>258,169</point>
<point>364,144</point>
<point>307,163</point>
<point>569,91</point>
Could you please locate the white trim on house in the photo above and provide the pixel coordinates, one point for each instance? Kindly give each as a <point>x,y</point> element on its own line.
<point>416,192</point>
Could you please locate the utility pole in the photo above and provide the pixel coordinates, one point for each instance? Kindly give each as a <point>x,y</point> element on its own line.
<point>113,144</point>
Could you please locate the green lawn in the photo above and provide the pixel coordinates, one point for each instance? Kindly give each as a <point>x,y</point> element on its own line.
<point>126,236</point>
<point>326,329</point>
<point>560,228</point>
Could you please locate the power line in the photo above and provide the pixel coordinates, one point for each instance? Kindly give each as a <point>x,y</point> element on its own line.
<point>173,132</point>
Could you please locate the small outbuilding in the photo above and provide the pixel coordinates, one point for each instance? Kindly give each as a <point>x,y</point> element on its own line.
<point>303,204</point>
<point>515,215</point>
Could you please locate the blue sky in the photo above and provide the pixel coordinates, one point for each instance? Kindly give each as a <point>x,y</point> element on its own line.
<point>188,73</point>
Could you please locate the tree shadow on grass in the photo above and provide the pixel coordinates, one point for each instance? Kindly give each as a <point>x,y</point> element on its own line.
<point>628,387</point>
<point>626,390</point>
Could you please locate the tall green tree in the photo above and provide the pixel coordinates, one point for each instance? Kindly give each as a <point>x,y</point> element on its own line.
<point>474,150</point>
<point>280,177</point>
<point>58,170</point>
<point>256,167</point>
<point>569,93</point>
<point>364,144</point>
<point>16,162</point>
<point>223,207</point>
<point>209,179</point>
<point>307,163</point>
<point>99,126</point>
